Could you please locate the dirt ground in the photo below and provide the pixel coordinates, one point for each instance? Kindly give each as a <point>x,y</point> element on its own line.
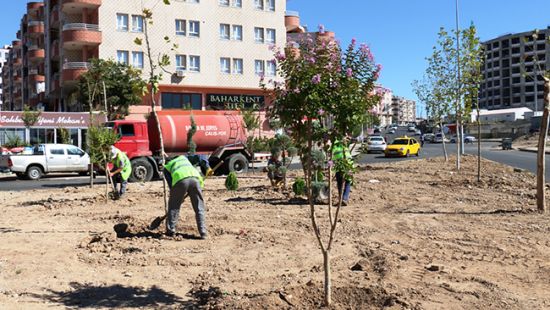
<point>417,235</point>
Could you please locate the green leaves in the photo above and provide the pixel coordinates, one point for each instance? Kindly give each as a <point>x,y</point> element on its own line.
<point>138,41</point>
<point>30,116</point>
<point>166,2</point>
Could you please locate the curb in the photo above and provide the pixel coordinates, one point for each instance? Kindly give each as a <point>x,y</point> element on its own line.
<point>530,150</point>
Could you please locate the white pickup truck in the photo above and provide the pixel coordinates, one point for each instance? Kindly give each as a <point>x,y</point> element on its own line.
<point>47,158</point>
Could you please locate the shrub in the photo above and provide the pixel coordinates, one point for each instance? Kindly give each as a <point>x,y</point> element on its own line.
<point>299,187</point>
<point>231,182</point>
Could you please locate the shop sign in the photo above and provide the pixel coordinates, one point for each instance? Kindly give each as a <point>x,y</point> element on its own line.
<point>48,119</point>
<point>234,102</point>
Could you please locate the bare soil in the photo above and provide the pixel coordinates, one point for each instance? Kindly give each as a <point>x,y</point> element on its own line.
<point>416,235</point>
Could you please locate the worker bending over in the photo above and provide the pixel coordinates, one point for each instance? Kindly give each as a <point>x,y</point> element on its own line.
<point>122,168</point>
<point>184,180</point>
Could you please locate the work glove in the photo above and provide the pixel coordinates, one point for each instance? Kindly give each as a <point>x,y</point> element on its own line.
<point>209,172</point>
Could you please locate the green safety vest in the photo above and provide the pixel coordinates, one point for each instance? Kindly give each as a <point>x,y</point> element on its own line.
<point>181,168</point>
<point>339,151</point>
<point>127,169</point>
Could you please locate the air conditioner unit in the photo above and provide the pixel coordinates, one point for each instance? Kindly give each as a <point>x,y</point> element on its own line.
<point>180,73</point>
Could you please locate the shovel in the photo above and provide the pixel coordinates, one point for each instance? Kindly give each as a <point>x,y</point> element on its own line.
<point>159,219</point>
<point>115,193</point>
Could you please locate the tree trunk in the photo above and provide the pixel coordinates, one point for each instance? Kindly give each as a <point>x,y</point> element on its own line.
<point>443,142</point>
<point>541,183</point>
<point>478,146</point>
<point>457,129</point>
<point>328,281</point>
<point>154,111</point>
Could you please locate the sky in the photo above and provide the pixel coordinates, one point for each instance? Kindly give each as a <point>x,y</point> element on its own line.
<point>400,33</point>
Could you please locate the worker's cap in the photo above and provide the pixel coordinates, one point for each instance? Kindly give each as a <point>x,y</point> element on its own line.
<point>114,151</point>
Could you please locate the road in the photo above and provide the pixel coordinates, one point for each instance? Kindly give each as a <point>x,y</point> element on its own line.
<point>489,150</point>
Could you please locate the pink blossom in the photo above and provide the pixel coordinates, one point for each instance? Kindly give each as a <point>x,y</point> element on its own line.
<point>321,112</point>
<point>316,79</point>
<point>330,163</point>
<point>349,72</point>
<point>296,90</point>
<point>353,41</point>
<point>280,56</point>
<point>333,84</point>
<point>379,67</point>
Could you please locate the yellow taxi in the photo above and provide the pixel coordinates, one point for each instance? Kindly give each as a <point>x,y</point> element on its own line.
<point>403,146</point>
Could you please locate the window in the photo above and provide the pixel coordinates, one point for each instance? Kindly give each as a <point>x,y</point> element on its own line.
<point>225,65</point>
<point>270,36</point>
<point>180,27</point>
<point>57,151</point>
<point>258,35</point>
<point>181,101</point>
<point>122,22</point>
<point>122,57</point>
<point>192,1</point>
<point>259,67</point>
<point>224,31</point>
<point>181,62</point>
<point>271,68</point>
<point>259,4</point>
<point>194,63</point>
<point>237,33</point>
<point>223,2</point>
<point>237,66</point>
<point>137,23</point>
<point>237,3</point>
<point>271,5</point>
<point>137,59</point>
<point>72,150</point>
<point>126,130</point>
<point>194,28</point>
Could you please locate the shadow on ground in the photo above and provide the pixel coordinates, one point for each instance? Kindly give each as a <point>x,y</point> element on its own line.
<point>119,296</point>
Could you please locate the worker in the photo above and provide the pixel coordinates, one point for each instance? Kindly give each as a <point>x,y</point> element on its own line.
<point>340,152</point>
<point>273,168</point>
<point>122,168</point>
<point>184,180</point>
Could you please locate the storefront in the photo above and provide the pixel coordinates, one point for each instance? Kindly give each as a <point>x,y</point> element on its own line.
<point>47,128</point>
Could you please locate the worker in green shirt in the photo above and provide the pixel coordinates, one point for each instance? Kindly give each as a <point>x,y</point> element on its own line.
<point>122,168</point>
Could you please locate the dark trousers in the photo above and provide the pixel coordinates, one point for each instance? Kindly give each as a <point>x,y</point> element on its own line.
<point>340,180</point>
<point>117,179</point>
<point>191,187</point>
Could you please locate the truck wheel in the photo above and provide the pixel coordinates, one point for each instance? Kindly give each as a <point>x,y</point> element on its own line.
<point>142,171</point>
<point>237,163</point>
<point>34,173</point>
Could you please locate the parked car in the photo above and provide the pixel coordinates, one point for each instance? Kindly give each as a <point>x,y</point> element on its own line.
<point>376,144</point>
<point>46,158</point>
<point>467,139</point>
<point>439,138</point>
<point>392,131</point>
<point>403,146</point>
<point>429,137</point>
<point>417,132</point>
<point>411,129</point>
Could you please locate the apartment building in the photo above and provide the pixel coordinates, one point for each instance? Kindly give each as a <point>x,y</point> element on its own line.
<point>4,52</point>
<point>223,48</point>
<point>403,111</point>
<point>512,71</point>
<point>23,71</point>
<point>383,110</point>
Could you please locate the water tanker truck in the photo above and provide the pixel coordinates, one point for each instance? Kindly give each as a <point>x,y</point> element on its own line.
<point>220,136</point>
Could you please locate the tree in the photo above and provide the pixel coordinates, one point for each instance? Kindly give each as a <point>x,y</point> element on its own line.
<point>191,145</point>
<point>251,121</point>
<point>123,87</point>
<point>63,135</point>
<point>30,116</point>
<point>155,62</point>
<point>100,141</point>
<point>325,94</point>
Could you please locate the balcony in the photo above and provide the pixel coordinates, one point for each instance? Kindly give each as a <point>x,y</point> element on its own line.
<point>33,7</point>
<point>16,44</point>
<point>76,6</point>
<point>36,28</point>
<point>73,70</point>
<point>35,76</point>
<point>78,35</point>
<point>17,62</point>
<point>36,54</point>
